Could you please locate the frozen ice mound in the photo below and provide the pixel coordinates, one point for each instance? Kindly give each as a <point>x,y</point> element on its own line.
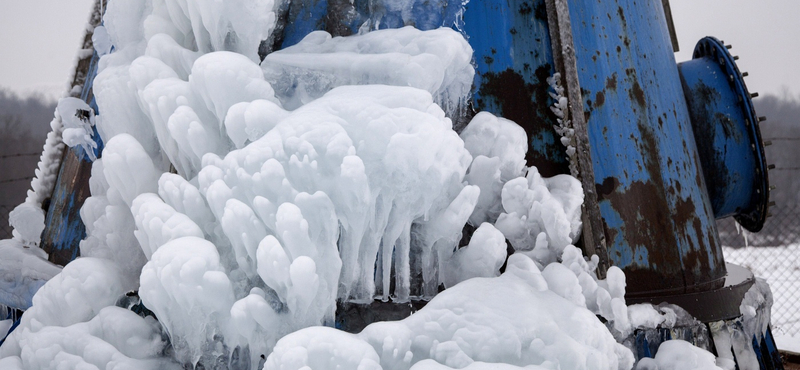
<point>73,323</point>
<point>512,319</point>
<point>25,270</point>
<point>437,61</point>
<point>679,354</point>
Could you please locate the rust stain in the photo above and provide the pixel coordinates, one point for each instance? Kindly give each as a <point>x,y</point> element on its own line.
<point>521,102</point>
<point>611,82</point>
<point>600,99</point>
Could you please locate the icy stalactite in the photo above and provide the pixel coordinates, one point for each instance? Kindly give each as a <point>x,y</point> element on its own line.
<point>564,127</point>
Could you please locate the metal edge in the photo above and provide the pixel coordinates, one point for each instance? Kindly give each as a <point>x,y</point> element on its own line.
<point>566,63</point>
<point>713,305</point>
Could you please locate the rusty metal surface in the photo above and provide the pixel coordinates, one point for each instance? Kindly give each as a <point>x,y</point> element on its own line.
<point>63,226</point>
<point>712,305</point>
<point>659,225</point>
<point>728,136</point>
<point>514,58</point>
<point>512,51</point>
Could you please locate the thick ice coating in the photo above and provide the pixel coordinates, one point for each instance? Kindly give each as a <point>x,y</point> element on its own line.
<point>513,319</point>
<point>437,61</point>
<point>28,270</point>
<point>242,201</point>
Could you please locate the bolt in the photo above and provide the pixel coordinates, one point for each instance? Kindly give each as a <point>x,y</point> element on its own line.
<point>762,118</point>
<point>772,187</point>
<point>728,47</point>
<point>771,167</point>
<point>745,74</point>
<point>767,143</point>
<point>735,57</point>
<point>772,204</point>
<point>754,95</point>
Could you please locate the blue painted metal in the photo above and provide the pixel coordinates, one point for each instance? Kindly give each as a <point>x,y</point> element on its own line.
<point>513,59</point>
<point>343,18</point>
<point>660,227</point>
<point>727,134</point>
<point>14,315</point>
<point>513,55</point>
<point>64,228</point>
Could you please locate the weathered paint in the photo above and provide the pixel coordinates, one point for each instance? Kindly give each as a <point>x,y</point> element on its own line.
<point>659,224</point>
<point>728,137</point>
<point>343,18</point>
<point>64,228</point>
<point>513,55</point>
<point>513,59</point>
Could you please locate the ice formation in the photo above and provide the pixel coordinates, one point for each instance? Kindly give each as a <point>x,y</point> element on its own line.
<point>680,355</point>
<point>241,201</point>
<point>514,319</point>
<point>78,119</point>
<point>437,61</point>
<point>25,270</point>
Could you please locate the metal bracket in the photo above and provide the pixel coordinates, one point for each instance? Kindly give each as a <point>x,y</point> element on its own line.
<point>565,62</point>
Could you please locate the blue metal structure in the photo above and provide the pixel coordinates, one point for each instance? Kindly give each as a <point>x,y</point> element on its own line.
<point>724,120</point>
<point>659,224</point>
<point>64,228</point>
<point>510,38</point>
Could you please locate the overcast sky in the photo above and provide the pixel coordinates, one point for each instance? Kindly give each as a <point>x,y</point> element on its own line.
<point>39,39</point>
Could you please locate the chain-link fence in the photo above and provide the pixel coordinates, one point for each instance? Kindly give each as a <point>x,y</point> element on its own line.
<point>5,228</point>
<point>772,254</point>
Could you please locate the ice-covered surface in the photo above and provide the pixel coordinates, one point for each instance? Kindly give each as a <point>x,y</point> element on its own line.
<point>242,201</point>
<point>100,40</point>
<point>73,324</point>
<point>27,219</point>
<point>25,269</point>
<point>49,162</point>
<point>513,319</point>
<point>77,119</point>
<point>681,355</point>
<point>564,127</point>
<point>437,61</point>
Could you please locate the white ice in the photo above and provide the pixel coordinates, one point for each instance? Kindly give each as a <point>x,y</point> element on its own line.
<point>242,201</point>
<point>512,319</point>
<point>25,269</point>
<point>78,120</point>
<point>678,354</point>
<point>437,61</point>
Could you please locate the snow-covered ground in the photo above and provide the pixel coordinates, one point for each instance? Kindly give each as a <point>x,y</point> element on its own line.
<point>780,266</point>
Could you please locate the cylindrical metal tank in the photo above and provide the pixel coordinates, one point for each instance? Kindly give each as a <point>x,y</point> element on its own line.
<point>659,224</point>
